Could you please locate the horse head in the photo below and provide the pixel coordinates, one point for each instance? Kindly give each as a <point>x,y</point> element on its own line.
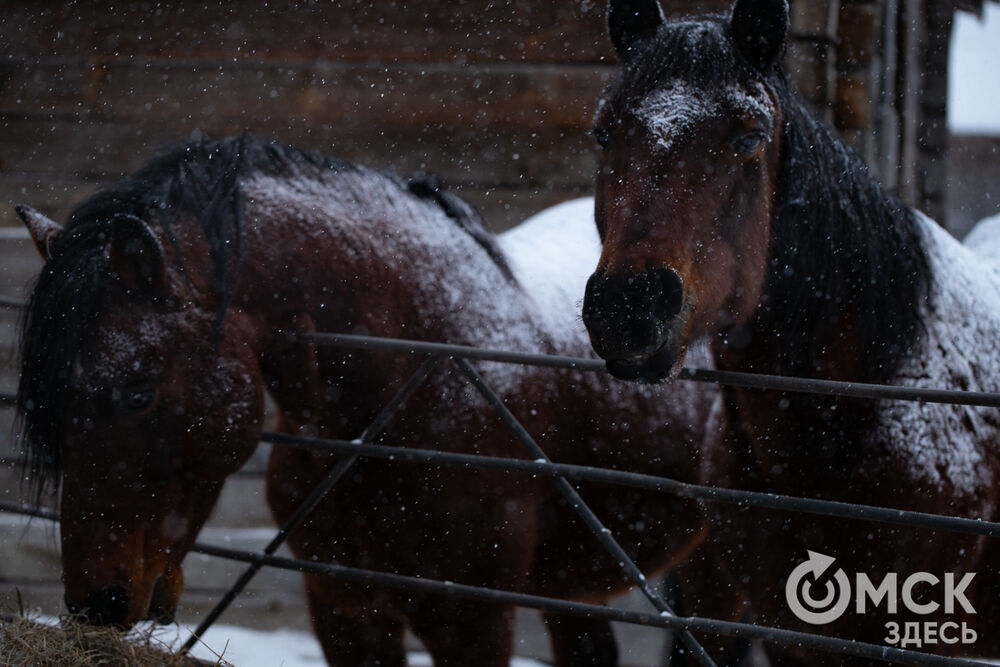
<point>136,399</point>
<point>690,133</point>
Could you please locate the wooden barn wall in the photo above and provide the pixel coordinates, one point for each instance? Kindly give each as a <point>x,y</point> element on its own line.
<point>494,97</point>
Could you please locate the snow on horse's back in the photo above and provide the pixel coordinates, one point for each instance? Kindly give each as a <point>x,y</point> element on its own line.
<point>984,240</point>
<point>550,254</point>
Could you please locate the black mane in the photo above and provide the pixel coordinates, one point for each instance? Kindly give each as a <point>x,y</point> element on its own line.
<point>694,49</point>
<point>429,187</point>
<point>840,243</point>
<point>200,180</point>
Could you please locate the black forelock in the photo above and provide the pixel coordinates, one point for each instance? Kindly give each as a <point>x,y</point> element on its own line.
<point>62,309</point>
<point>698,50</point>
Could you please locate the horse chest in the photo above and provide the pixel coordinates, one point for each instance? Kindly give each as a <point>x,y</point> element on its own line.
<point>788,444</point>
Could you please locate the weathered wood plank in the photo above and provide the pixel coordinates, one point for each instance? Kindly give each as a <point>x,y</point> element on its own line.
<point>485,96</point>
<point>359,30</point>
<point>56,195</point>
<point>511,157</point>
<point>506,126</point>
<point>53,194</point>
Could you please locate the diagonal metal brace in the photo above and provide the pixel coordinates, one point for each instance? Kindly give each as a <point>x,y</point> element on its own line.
<point>381,421</point>
<point>602,534</point>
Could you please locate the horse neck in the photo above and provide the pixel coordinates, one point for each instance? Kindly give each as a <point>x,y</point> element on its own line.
<point>386,264</point>
<point>323,248</point>
<point>847,274</point>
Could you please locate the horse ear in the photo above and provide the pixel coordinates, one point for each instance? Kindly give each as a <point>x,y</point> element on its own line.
<point>759,29</point>
<point>43,231</point>
<point>630,21</point>
<point>136,255</point>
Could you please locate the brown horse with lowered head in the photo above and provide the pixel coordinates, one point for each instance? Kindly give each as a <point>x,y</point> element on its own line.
<point>728,212</point>
<point>155,329</point>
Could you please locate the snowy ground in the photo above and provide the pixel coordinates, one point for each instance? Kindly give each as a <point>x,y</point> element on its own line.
<point>242,647</point>
<point>280,648</point>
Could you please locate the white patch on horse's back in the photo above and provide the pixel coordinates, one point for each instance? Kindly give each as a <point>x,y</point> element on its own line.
<point>552,254</point>
<point>984,240</point>
<point>670,112</point>
<point>944,445</point>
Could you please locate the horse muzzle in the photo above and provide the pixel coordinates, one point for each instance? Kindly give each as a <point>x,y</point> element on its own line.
<point>638,323</point>
<point>662,364</point>
<point>114,605</point>
<point>108,605</point>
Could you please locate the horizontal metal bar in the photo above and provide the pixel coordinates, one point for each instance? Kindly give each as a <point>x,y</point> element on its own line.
<point>8,303</point>
<point>732,378</point>
<point>649,482</point>
<point>643,481</point>
<point>584,512</point>
<point>740,630</point>
<point>449,350</point>
<point>773,501</point>
<point>815,38</point>
<point>27,510</point>
<point>666,621</point>
<point>729,378</point>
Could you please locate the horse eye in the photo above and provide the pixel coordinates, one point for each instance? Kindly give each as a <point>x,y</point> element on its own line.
<point>133,401</point>
<point>749,143</point>
<point>603,136</point>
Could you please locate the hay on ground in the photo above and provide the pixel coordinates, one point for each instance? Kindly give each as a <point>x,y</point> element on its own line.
<point>25,642</point>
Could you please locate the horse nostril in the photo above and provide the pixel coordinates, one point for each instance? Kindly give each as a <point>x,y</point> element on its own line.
<point>108,605</point>
<point>596,302</point>
<point>671,292</point>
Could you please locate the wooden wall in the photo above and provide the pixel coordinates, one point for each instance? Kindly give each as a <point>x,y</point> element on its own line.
<point>494,97</point>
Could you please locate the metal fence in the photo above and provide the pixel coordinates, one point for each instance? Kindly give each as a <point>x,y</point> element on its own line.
<point>685,627</point>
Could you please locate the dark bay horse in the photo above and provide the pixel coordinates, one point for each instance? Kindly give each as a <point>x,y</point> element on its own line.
<point>155,329</point>
<point>728,212</point>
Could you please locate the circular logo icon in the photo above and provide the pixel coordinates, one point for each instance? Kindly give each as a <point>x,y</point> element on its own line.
<point>815,592</point>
